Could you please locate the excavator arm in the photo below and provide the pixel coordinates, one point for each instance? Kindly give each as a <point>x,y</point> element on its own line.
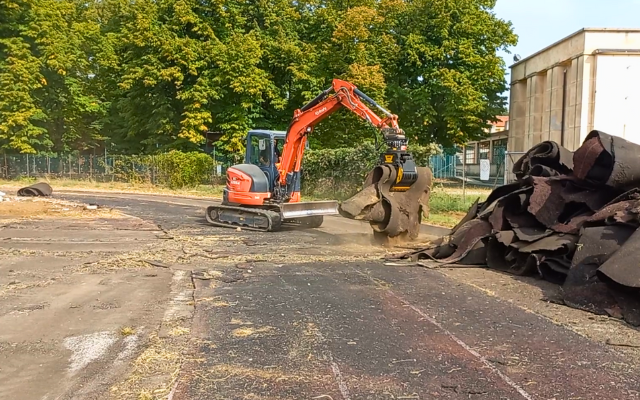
<point>343,94</point>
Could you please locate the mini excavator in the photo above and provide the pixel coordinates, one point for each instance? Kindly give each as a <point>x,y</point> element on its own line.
<point>263,193</point>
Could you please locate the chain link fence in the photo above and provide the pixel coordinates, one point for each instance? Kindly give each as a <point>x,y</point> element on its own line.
<point>510,159</point>
<point>488,165</point>
<point>111,168</point>
<point>121,168</point>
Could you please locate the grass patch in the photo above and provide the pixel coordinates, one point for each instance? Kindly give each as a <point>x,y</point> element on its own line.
<point>447,200</point>
<point>448,205</point>
<point>445,219</point>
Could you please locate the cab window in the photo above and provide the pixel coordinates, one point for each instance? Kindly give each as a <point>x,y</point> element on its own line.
<point>278,149</point>
<point>260,151</point>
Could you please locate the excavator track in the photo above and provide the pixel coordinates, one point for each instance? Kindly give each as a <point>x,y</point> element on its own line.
<point>251,219</point>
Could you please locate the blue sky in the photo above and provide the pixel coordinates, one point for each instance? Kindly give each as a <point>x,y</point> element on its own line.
<point>539,23</point>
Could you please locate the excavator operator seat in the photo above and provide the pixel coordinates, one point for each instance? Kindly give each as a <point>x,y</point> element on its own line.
<point>264,147</point>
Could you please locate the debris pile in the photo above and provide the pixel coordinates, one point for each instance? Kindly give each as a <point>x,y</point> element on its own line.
<point>571,218</point>
<point>390,214</point>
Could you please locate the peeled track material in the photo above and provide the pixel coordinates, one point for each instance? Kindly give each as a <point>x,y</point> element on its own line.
<point>391,214</point>
<point>570,218</point>
<point>36,190</point>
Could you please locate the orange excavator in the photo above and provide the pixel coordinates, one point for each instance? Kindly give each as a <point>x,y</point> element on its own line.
<point>263,193</point>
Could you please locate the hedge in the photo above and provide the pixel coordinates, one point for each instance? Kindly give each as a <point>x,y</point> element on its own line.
<point>174,169</point>
<point>340,173</point>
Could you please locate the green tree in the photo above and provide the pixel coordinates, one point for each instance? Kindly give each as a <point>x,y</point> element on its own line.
<point>447,80</point>
<point>19,77</point>
<point>65,35</point>
<point>154,75</point>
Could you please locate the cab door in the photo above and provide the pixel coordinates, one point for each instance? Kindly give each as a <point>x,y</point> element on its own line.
<point>260,153</point>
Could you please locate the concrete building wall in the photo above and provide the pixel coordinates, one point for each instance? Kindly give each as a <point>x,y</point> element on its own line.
<point>616,106</point>
<point>593,75</point>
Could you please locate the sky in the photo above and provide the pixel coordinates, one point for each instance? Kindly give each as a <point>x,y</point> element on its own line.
<point>539,23</point>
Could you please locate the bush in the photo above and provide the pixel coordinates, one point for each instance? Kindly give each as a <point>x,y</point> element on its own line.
<point>340,173</point>
<point>176,169</point>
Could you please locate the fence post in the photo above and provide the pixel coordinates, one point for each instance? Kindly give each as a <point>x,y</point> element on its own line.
<point>455,162</point>
<point>464,173</point>
<point>506,157</point>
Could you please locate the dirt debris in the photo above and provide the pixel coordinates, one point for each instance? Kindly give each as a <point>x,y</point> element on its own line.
<point>250,331</point>
<point>17,209</point>
<point>162,359</point>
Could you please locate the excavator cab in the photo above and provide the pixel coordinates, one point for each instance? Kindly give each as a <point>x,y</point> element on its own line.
<point>264,149</point>
<point>261,152</point>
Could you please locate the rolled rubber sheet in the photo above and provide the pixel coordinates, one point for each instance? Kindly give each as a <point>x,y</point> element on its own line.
<point>36,190</point>
<point>544,159</point>
<point>570,218</point>
<point>391,214</point>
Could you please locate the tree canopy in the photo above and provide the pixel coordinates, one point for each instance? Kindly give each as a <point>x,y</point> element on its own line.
<point>149,75</point>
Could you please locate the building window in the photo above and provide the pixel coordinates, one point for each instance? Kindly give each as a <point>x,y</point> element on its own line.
<point>470,154</point>
<point>483,150</point>
<point>499,148</point>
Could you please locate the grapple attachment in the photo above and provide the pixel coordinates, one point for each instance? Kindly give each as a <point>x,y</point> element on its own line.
<point>392,208</point>
<point>404,171</point>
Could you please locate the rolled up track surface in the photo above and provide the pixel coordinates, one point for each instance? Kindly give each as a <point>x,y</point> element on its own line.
<point>36,190</point>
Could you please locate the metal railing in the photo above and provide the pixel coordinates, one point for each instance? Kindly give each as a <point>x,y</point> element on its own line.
<point>452,167</point>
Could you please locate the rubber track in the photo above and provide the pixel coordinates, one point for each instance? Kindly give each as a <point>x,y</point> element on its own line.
<point>273,217</point>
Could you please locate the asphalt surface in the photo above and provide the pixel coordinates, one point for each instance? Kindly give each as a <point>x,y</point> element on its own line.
<point>362,330</point>
<point>174,211</point>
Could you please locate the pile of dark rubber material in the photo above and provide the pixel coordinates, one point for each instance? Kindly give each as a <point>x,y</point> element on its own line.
<point>570,218</point>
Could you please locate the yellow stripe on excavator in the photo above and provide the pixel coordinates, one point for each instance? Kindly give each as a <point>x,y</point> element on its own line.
<point>400,174</point>
<point>399,188</point>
